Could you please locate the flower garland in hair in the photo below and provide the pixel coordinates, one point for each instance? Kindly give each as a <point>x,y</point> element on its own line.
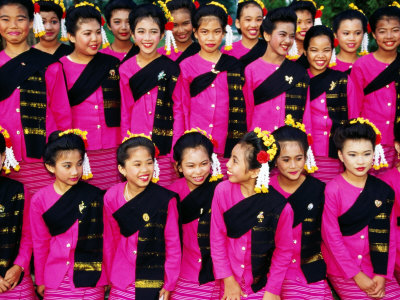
<point>215,164</point>
<point>395,3</point>
<point>156,173</point>
<point>87,171</point>
<point>264,157</point>
<point>379,158</point>
<point>10,161</point>
<point>105,42</point>
<point>259,2</point>
<point>310,165</point>
<point>365,40</point>
<point>228,28</point>
<point>169,26</point>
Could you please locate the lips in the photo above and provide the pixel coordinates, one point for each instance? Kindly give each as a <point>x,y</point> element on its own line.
<point>14,33</point>
<point>320,63</point>
<point>49,33</point>
<point>360,169</point>
<point>352,45</point>
<point>74,179</point>
<point>253,32</point>
<point>94,47</point>
<point>303,33</point>
<point>182,36</point>
<point>293,173</point>
<point>229,173</point>
<point>124,34</point>
<point>389,44</point>
<point>144,178</point>
<point>147,45</point>
<point>198,179</point>
<point>210,45</point>
<point>285,48</point>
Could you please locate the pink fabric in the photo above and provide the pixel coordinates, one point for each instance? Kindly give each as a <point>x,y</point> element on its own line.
<point>342,66</point>
<point>23,291</point>
<point>238,50</point>
<point>253,296</point>
<point>297,290</point>
<point>209,110</point>
<point>347,289</point>
<point>103,163</point>
<point>255,74</point>
<point>89,115</point>
<point>328,168</point>
<point>232,257</point>
<point>120,252</point>
<point>185,290</point>
<point>122,294</point>
<point>64,291</point>
<point>380,106</point>
<point>109,51</point>
<point>346,256</point>
<point>53,255</point>
<point>167,171</point>
<point>173,55</point>
<point>58,112</point>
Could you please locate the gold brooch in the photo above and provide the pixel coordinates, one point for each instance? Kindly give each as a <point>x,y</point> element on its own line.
<point>332,86</point>
<point>201,211</point>
<point>112,72</point>
<point>215,71</point>
<point>289,79</point>
<point>146,217</point>
<point>260,217</point>
<point>82,206</point>
<point>2,208</point>
<point>378,203</point>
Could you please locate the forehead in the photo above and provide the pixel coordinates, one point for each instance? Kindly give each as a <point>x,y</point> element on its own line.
<point>321,40</point>
<point>139,153</point>
<point>122,13</point>
<point>68,156</point>
<point>388,22</point>
<point>147,23</point>
<point>284,26</point>
<point>290,148</point>
<point>348,24</point>
<point>181,13</point>
<point>303,14</point>
<point>48,14</point>
<point>88,24</point>
<point>13,10</point>
<point>360,145</point>
<point>251,10</point>
<point>210,23</point>
<point>195,154</point>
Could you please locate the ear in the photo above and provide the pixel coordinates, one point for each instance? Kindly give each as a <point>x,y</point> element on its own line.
<point>397,147</point>
<point>335,35</point>
<point>71,38</point>
<point>178,167</point>
<point>373,35</point>
<point>237,23</point>
<point>3,158</point>
<point>340,154</point>
<point>122,170</point>
<point>267,37</point>
<point>254,173</point>
<point>31,24</point>
<point>162,36</point>
<point>108,26</point>
<point>50,168</point>
<point>195,33</point>
<point>305,53</point>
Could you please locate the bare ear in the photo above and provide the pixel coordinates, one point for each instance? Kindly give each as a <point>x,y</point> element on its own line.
<point>122,170</point>
<point>50,168</point>
<point>267,37</point>
<point>71,38</point>
<point>254,173</point>
<point>3,158</point>
<point>237,23</point>
<point>397,147</point>
<point>340,154</point>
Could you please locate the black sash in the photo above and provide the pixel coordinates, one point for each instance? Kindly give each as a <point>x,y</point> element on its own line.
<point>291,79</point>
<point>82,202</point>
<point>303,61</point>
<point>102,71</point>
<point>197,205</point>
<point>147,213</point>
<point>12,200</point>
<point>257,51</point>
<point>334,84</point>
<point>131,53</point>
<point>307,203</point>
<point>237,126</point>
<point>63,50</point>
<point>161,72</point>
<point>193,49</point>
<point>372,208</point>
<point>260,214</point>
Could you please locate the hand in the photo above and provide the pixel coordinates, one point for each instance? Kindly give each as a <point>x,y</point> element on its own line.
<point>379,291</point>
<point>4,285</point>
<point>365,283</point>
<point>40,290</point>
<point>232,289</point>
<point>270,296</point>
<point>13,275</point>
<point>165,293</point>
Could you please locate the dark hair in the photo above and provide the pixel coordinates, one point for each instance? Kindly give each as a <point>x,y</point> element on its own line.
<point>57,144</point>
<point>123,149</point>
<point>356,131</point>
<point>76,14</point>
<point>304,5</point>
<point>182,4</point>
<point>2,144</point>
<point>207,11</point>
<point>117,4</point>
<point>291,134</point>
<point>243,5</point>
<point>349,14</point>
<point>192,140</point>
<point>49,6</point>
<point>397,132</point>
<point>147,11</point>
<point>27,4</point>
<point>253,146</point>
<point>388,12</point>
<point>281,14</point>
<point>318,30</point>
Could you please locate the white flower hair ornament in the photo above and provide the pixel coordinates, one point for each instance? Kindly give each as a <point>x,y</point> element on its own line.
<point>9,161</point>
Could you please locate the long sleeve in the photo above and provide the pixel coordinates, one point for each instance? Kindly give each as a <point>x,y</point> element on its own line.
<point>127,102</point>
<point>392,245</point>
<point>181,95</point>
<point>283,251</point>
<point>249,96</point>
<point>355,100</point>
<point>307,114</point>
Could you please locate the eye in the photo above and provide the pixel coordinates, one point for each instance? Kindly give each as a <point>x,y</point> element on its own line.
<point>80,164</point>
<point>285,160</point>
<point>352,155</point>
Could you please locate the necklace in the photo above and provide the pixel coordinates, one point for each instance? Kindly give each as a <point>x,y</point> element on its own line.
<point>127,195</point>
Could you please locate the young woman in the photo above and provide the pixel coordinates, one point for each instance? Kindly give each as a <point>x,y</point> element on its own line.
<point>306,276</point>
<point>67,225</point>
<point>93,90</point>
<point>332,96</point>
<point>349,27</point>
<point>358,226</point>
<point>249,17</point>
<point>373,76</point>
<point>251,224</point>
<point>24,72</point>
<point>209,89</point>
<point>117,17</point>
<point>142,243</point>
<point>274,83</point>
<point>15,245</point>
<point>194,157</point>
<point>52,14</point>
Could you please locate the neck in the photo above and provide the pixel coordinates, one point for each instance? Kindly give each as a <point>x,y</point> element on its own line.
<point>386,57</point>
<point>60,187</point>
<point>121,46</point>
<point>300,47</point>
<point>348,57</point>
<point>316,72</point>
<point>143,59</point>
<point>213,57</point>
<point>183,46</point>
<point>288,185</point>
<point>272,57</point>
<point>80,58</point>
<point>133,191</point>
<point>247,188</point>
<point>358,181</point>
<point>48,46</point>
<point>14,50</point>
<point>249,43</point>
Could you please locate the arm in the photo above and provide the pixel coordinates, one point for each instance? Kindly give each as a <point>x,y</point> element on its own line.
<point>307,113</point>
<point>355,91</point>
<point>127,102</point>
<point>248,97</point>
<point>180,95</point>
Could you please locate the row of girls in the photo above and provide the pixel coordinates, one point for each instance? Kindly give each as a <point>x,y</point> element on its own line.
<point>79,249</point>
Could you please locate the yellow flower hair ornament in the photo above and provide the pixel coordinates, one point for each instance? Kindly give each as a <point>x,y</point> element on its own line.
<point>365,40</point>
<point>87,171</point>
<point>264,157</point>
<point>260,3</point>
<point>215,164</point>
<point>228,28</point>
<point>310,165</point>
<point>156,172</point>
<point>169,26</point>
<point>379,156</point>
<point>10,161</point>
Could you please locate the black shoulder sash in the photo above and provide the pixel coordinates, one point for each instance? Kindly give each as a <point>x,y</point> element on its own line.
<point>63,50</point>
<point>303,61</point>
<point>131,53</point>
<point>257,51</point>
<point>193,49</point>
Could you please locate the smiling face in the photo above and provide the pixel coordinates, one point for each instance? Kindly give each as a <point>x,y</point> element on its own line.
<point>147,35</point>
<point>249,22</point>
<point>51,25</point>
<point>319,54</point>
<point>304,23</point>
<point>119,24</point>
<point>350,34</point>
<point>14,23</point>
<point>183,27</point>
<point>238,166</point>
<point>387,34</point>
<point>209,34</point>
<point>291,160</point>
<point>87,39</point>
<point>357,156</point>
<point>281,38</point>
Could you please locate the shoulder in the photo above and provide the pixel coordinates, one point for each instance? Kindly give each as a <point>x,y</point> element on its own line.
<point>170,65</point>
<point>333,186</point>
<point>315,184</point>
<point>11,185</point>
<point>112,191</point>
<point>178,185</point>
<point>42,194</point>
<point>362,61</point>
<point>223,186</point>
<point>108,58</point>
<point>338,75</point>
<point>381,185</point>
<point>127,66</point>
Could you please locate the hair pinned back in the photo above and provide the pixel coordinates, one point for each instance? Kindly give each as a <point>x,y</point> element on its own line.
<point>281,14</point>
